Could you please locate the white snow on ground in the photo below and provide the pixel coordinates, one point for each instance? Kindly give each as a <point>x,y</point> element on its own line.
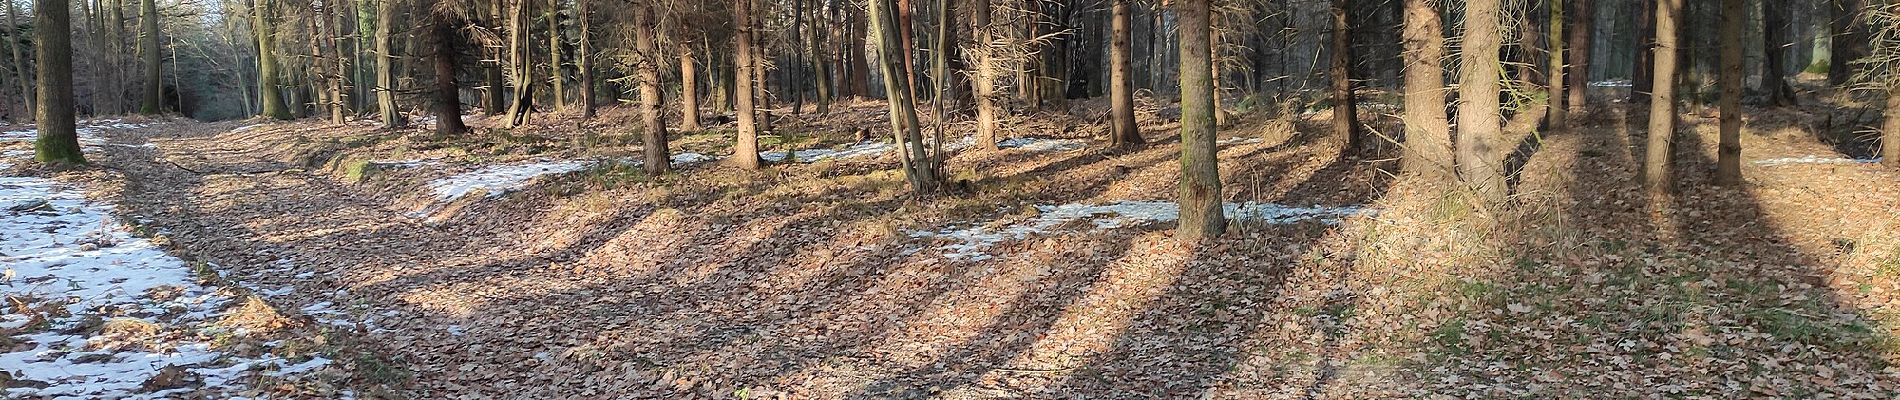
<point>868,148</point>
<point>1612,83</point>
<point>497,180</point>
<point>407,163</point>
<point>1810,159</point>
<point>88,133</point>
<point>1043,144</point>
<point>60,251</point>
<point>1238,140</point>
<point>969,243</point>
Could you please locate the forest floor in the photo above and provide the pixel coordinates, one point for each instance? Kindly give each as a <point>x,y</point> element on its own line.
<point>542,263</point>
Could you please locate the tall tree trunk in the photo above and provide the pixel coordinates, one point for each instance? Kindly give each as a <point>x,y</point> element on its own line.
<point>386,65</point>
<point>112,48</point>
<point>266,61</point>
<point>858,78</point>
<point>1200,188</point>
<point>1345,106</point>
<point>1662,103</point>
<point>1121,86</point>
<point>653,129</point>
<point>1029,76</point>
<point>1480,136</point>
<point>792,83</point>
<point>1557,117</point>
<point>447,104</point>
<point>689,88</point>
<point>1728,160</point>
<point>920,167</point>
<point>1890,139</point>
<point>19,63</point>
<point>986,75</point>
<point>53,49</point>
<point>1427,127</point>
<point>940,72</point>
<point>821,67</point>
<point>339,84</point>
<point>1640,79</point>
<point>906,44</point>
<point>1582,33</point>
<point>493,88</point>
<point>585,60</point>
<point>1848,39</point>
<point>1774,50</point>
<point>523,69</point>
<point>153,103</point>
<point>557,77</point>
<point>746,151</point>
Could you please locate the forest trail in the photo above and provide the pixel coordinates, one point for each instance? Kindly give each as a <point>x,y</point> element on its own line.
<point>826,280</point>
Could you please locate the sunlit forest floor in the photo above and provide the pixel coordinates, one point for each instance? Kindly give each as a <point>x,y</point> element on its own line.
<point>829,279</point>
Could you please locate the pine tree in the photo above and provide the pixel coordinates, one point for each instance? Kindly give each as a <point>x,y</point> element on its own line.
<point>386,65</point>
<point>1427,127</point>
<point>1728,161</point>
<point>1122,129</point>
<point>648,72</point>
<point>53,47</point>
<point>746,152</point>
<point>148,51</point>
<point>1200,196</point>
<point>261,22</point>
<point>1480,129</point>
<point>1662,102</point>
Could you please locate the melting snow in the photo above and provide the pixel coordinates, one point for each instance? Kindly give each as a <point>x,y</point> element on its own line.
<point>868,148</point>
<point>969,243</point>
<point>1815,160</point>
<point>497,180</point>
<point>1238,140</point>
<point>61,251</point>
<point>1042,144</point>
<point>1612,83</point>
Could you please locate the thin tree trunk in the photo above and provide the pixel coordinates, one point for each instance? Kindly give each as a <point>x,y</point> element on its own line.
<point>1557,116</point>
<point>585,60</point>
<point>746,151</point>
<point>266,61</point>
<point>1890,140</point>
<point>653,129</point>
<point>919,166</point>
<point>556,76</point>
<point>1640,80</point>
<point>859,78</point>
<point>689,88</point>
<point>447,104</point>
<point>19,63</point>
<point>1582,33</point>
<point>940,72</point>
<point>58,140</point>
<point>1479,140</point>
<point>337,64</point>
<point>386,65</point>
<point>793,84</point>
<point>1662,104</point>
<point>1200,188</point>
<point>1848,39</point>
<point>986,75</point>
<point>821,64</point>
<point>1728,160</point>
<point>1774,50</point>
<point>523,69</point>
<point>1121,88</point>
<point>1345,106</point>
<point>153,103</point>
<point>493,88</point>
<point>1427,127</point>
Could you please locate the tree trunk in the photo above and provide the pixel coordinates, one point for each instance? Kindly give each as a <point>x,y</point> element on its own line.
<point>792,84</point>
<point>1728,160</point>
<point>493,88</point>
<point>1662,103</point>
<point>647,67</point>
<point>266,61</point>
<point>1345,106</point>
<point>1848,39</point>
<point>821,68</point>
<point>523,69</point>
<point>557,77</point>
<point>1200,188</point>
<point>986,75</point>
<point>386,65</point>
<point>746,151</point>
<point>447,104</point>
<point>53,49</point>
<point>19,62</point>
<point>1121,86</point>
<point>859,79</point>
<point>1557,116</point>
<point>1890,140</point>
<point>340,65</point>
<point>1427,127</point>
<point>1774,50</point>
<point>585,60</point>
<point>1480,157</point>
<point>940,72</point>
<point>1640,79</point>
<point>1582,33</point>
<point>153,103</point>
<point>689,92</point>
<point>920,167</point>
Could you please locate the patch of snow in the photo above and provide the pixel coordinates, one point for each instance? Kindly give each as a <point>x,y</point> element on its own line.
<point>1810,159</point>
<point>1043,144</point>
<point>1612,83</point>
<point>868,148</point>
<point>407,163</point>
<point>969,243</point>
<point>248,127</point>
<point>497,180</point>
<point>64,252</point>
<point>1239,140</point>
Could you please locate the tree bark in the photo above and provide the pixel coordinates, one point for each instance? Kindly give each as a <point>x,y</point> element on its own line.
<point>1662,104</point>
<point>689,84</point>
<point>447,104</point>
<point>984,85</point>
<point>339,64</point>
<point>1480,158</point>
<point>1728,160</point>
<point>585,60</point>
<point>1427,127</point>
<point>1848,39</point>
<point>920,167</point>
<point>1774,49</point>
<point>20,63</point>
<point>153,103</point>
<point>1558,115</point>
<point>386,65</point>
<point>58,141</point>
<point>557,77</point>
<point>1345,106</point>
<point>858,78</point>
<point>1121,86</point>
<point>523,69</point>
<point>1200,188</point>
<point>746,151</point>
<point>1890,140</point>
<point>1640,79</point>
<point>1582,33</point>
<point>821,67</point>
<point>266,61</point>
<point>493,87</point>
<point>647,66</point>
<point>792,84</point>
